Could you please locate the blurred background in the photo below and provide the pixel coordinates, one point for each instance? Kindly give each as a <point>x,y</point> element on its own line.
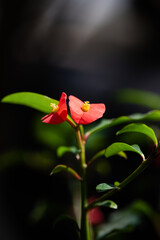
<point>89,49</point>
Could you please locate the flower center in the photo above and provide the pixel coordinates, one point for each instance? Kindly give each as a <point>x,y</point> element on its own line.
<point>54,107</point>
<point>86,106</point>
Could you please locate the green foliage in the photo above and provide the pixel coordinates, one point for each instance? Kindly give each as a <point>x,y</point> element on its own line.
<point>103,187</point>
<point>139,97</point>
<point>61,167</point>
<point>63,149</point>
<point>107,203</point>
<point>30,99</point>
<point>117,147</point>
<point>53,136</point>
<point>133,118</point>
<point>60,135</point>
<point>140,128</point>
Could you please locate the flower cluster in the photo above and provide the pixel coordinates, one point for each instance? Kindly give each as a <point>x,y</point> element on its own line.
<point>81,112</point>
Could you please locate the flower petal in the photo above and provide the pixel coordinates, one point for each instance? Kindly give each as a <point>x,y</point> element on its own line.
<point>52,118</point>
<point>62,112</point>
<point>61,115</point>
<point>79,116</point>
<point>75,105</point>
<point>96,111</point>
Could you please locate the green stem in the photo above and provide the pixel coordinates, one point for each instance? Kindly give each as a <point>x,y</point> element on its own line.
<point>126,181</point>
<point>85,228</point>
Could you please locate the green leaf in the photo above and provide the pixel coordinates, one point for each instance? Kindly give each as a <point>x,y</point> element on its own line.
<point>119,224</point>
<point>122,154</point>
<point>107,203</point>
<point>139,128</point>
<point>63,149</point>
<point>61,167</point>
<point>117,147</point>
<point>30,99</point>
<point>137,117</point>
<point>139,97</point>
<point>103,187</point>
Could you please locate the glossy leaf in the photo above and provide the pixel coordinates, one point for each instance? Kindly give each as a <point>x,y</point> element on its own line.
<point>103,187</point>
<point>61,167</point>
<point>63,149</point>
<point>122,154</point>
<point>139,128</point>
<point>107,203</point>
<point>133,118</point>
<point>30,99</point>
<point>117,147</point>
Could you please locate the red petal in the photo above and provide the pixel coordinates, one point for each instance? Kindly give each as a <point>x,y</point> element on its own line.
<point>96,111</point>
<point>61,115</point>
<point>52,118</point>
<point>75,105</point>
<point>62,112</point>
<point>79,116</point>
<point>95,215</point>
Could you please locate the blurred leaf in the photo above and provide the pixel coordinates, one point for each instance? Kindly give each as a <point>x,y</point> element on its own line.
<point>103,168</point>
<point>137,117</point>
<point>53,136</point>
<point>107,203</point>
<point>30,99</point>
<point>117,147</point>
<point>37,160</point>
<point>61,167</point>
<point>139,97</point>
<point>120,222</point>
<point>116,183</point>
<point>63,149</point>
<point>38,211</point>
<point>103,187</point>
<point>139,128</point>
<point>142,207</point>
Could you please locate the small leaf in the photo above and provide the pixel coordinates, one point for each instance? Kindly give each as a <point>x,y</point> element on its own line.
<point>61,167</point>
<point>122,154</point>
<point>117,147</point>
<point>107,203</point>
<point>116,183</point>
<point>63,149</point>
<point>139,128</point>
<point>103,187</point>
<point>30,99</point>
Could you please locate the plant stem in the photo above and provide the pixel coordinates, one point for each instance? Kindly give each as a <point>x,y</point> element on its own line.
<point>126,181</point>
<point>85,228</point>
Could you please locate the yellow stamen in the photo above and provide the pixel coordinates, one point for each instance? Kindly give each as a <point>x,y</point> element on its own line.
<point>86,106</point>
<point>54,107</point>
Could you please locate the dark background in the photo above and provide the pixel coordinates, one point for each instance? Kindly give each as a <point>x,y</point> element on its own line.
<point>88,49</point>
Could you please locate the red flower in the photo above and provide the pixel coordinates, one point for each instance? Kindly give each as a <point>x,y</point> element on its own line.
<point>84,112</point>
<point>58,113</point>
<point>95,215</point>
